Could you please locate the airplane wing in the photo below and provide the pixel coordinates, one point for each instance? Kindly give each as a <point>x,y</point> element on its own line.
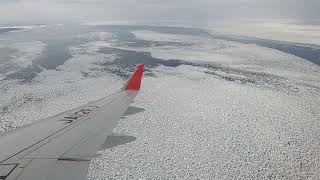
<point>62,146</point>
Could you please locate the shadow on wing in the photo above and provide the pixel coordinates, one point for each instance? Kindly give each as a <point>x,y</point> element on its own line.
<point>132,110</point>
<point>117,140</point>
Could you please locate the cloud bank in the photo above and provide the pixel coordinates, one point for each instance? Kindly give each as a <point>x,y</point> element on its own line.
<point>154,10</point>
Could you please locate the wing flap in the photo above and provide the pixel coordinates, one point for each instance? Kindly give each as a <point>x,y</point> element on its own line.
<point>69,169</point>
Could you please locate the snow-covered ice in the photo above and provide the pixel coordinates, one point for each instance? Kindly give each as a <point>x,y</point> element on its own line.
<point>197,126</point>
<point>296,31</point>
<point>22,28</point>
<point>19,55</point>
<point>244,112</point>
<point>78,81</point>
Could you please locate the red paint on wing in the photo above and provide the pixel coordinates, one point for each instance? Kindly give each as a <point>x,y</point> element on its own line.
<point>135,80</point>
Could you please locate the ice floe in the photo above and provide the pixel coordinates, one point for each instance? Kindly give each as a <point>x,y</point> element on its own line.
<point>78,81</point>
<point>203,121</point>
<point>296,31</point>
<point>21,28</point>
<point>236,55</point>
<point>19,55</point>
<point>196,126</point>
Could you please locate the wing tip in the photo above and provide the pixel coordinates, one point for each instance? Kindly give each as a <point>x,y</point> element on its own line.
<point>135,80</point>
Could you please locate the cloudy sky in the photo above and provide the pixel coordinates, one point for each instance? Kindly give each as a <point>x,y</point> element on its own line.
<point>42,11</point>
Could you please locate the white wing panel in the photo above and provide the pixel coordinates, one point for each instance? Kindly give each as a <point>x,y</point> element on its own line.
<point>62,146</point>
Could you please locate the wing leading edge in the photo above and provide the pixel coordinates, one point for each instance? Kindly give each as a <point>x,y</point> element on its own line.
<point>62,146</point>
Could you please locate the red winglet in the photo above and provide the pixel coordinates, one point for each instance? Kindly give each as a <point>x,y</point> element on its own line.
<point>135,80</point>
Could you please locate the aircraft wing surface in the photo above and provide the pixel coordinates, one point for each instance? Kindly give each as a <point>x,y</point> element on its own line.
<point>62,146</point>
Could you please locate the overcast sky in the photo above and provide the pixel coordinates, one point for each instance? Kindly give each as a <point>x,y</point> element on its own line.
<point>42,11</point>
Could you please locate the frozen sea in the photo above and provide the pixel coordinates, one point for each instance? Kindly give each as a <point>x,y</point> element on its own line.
<point>214,106</point>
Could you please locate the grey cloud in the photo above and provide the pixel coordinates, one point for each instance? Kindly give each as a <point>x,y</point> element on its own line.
<point>192,10</point>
